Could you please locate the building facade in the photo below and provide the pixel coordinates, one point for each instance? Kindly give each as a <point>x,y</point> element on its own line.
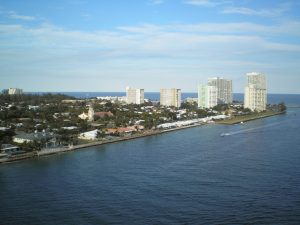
<point>134,96</point>
<point>224,89</point>
<point>207,96</point>
<point>170,97</point>
<point>256,92</point>
<point>15,91</point>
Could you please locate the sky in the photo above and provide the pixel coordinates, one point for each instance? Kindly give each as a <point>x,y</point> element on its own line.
<point>106,45</point>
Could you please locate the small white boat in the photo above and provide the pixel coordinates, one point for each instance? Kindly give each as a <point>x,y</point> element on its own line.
<point>224,134</point>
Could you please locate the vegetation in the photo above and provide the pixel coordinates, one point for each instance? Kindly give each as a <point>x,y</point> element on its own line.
<point>51,113</point>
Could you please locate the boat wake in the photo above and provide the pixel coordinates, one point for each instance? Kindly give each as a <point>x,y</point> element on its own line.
<point>249,130</point>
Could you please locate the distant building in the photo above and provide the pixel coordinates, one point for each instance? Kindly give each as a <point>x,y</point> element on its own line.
<point>170,97</point>
<point>191,100</point>
<point>207,96</point>
<point>224,89</point>
<point>91,113</point>
<point>134,96</point>
<point>113,99</point>
<point>256,92</point>
<point>15,91</point>
<point>31,137</point>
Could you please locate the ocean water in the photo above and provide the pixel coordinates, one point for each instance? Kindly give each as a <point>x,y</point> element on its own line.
<point>191,176</point>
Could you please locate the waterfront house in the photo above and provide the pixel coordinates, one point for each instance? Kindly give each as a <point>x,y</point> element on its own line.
<point>90,135</point>
<point>36,136</point>
<point>8,149</point>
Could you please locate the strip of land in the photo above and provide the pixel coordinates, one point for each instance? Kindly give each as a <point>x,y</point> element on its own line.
<point>245,118</point>
<point>52,151</point>
<point>46,152</point>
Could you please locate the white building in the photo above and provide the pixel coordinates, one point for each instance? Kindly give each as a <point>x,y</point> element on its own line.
<point>113,99</point>
<point>134,96</point>
<point>15,91</point>
<point>255,92</point>
<point>90,135</point>
<point>224,89</point>
<point>207,96</point>
<point>83,116</point>
<point>170,97</point>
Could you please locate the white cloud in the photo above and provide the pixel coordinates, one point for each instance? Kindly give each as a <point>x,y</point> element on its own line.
<point>271,12</point>
<point>205,3</point>
<point>157,2</point>
<point>14,15</point>
<point>155,52</point>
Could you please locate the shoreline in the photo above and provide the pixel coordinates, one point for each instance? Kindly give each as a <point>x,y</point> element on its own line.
<point>53,151</point>
<point>241,119</point>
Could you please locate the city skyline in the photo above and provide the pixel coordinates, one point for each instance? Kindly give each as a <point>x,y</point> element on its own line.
<point>79,45</point>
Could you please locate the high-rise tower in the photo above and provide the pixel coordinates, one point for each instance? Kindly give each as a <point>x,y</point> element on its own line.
<point>256,92</point>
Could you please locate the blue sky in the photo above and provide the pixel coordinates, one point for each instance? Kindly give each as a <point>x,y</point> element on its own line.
<point>97,45</point>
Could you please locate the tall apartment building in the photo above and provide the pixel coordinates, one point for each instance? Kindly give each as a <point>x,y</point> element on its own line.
<point>224,89</point>
<point>207,96</point>
<point>15,91</point>
<point>256,92</point>
<point>134,96</point>
<point>170,97</point>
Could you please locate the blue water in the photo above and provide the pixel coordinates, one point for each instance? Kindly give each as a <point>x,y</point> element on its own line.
<point>191,176</point>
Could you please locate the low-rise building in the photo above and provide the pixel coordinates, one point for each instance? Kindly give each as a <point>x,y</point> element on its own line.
<point>36,136</point>
<point>90,135</point>
<point>9,149</point>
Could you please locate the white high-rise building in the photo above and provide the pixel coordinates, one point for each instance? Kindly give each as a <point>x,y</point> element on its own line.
<point>134,96</point>
<point>224,89</point>
<point>256,92</point>
<point>170,97</point>
<point>15,91</point>
<point>207,96</point>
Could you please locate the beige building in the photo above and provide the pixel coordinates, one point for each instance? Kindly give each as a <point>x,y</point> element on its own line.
<point>170,97</point>
<point>134,96</point>
<point>256,92</point>
<point>91,113</point>
<point>224,89</point>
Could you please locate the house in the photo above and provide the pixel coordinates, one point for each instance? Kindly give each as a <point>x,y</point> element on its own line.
<point>8,149</point>
<point>90,135</point>
<point>69,128</point>
<point>103,114</point>
<point>122,130</point>
<point>83,116</point>
<point>36,136</point>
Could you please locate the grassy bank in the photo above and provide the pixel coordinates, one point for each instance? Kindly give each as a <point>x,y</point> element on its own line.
<point>245,118</point>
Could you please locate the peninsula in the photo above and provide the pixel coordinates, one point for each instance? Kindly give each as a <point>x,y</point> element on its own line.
<point>38,125</point>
